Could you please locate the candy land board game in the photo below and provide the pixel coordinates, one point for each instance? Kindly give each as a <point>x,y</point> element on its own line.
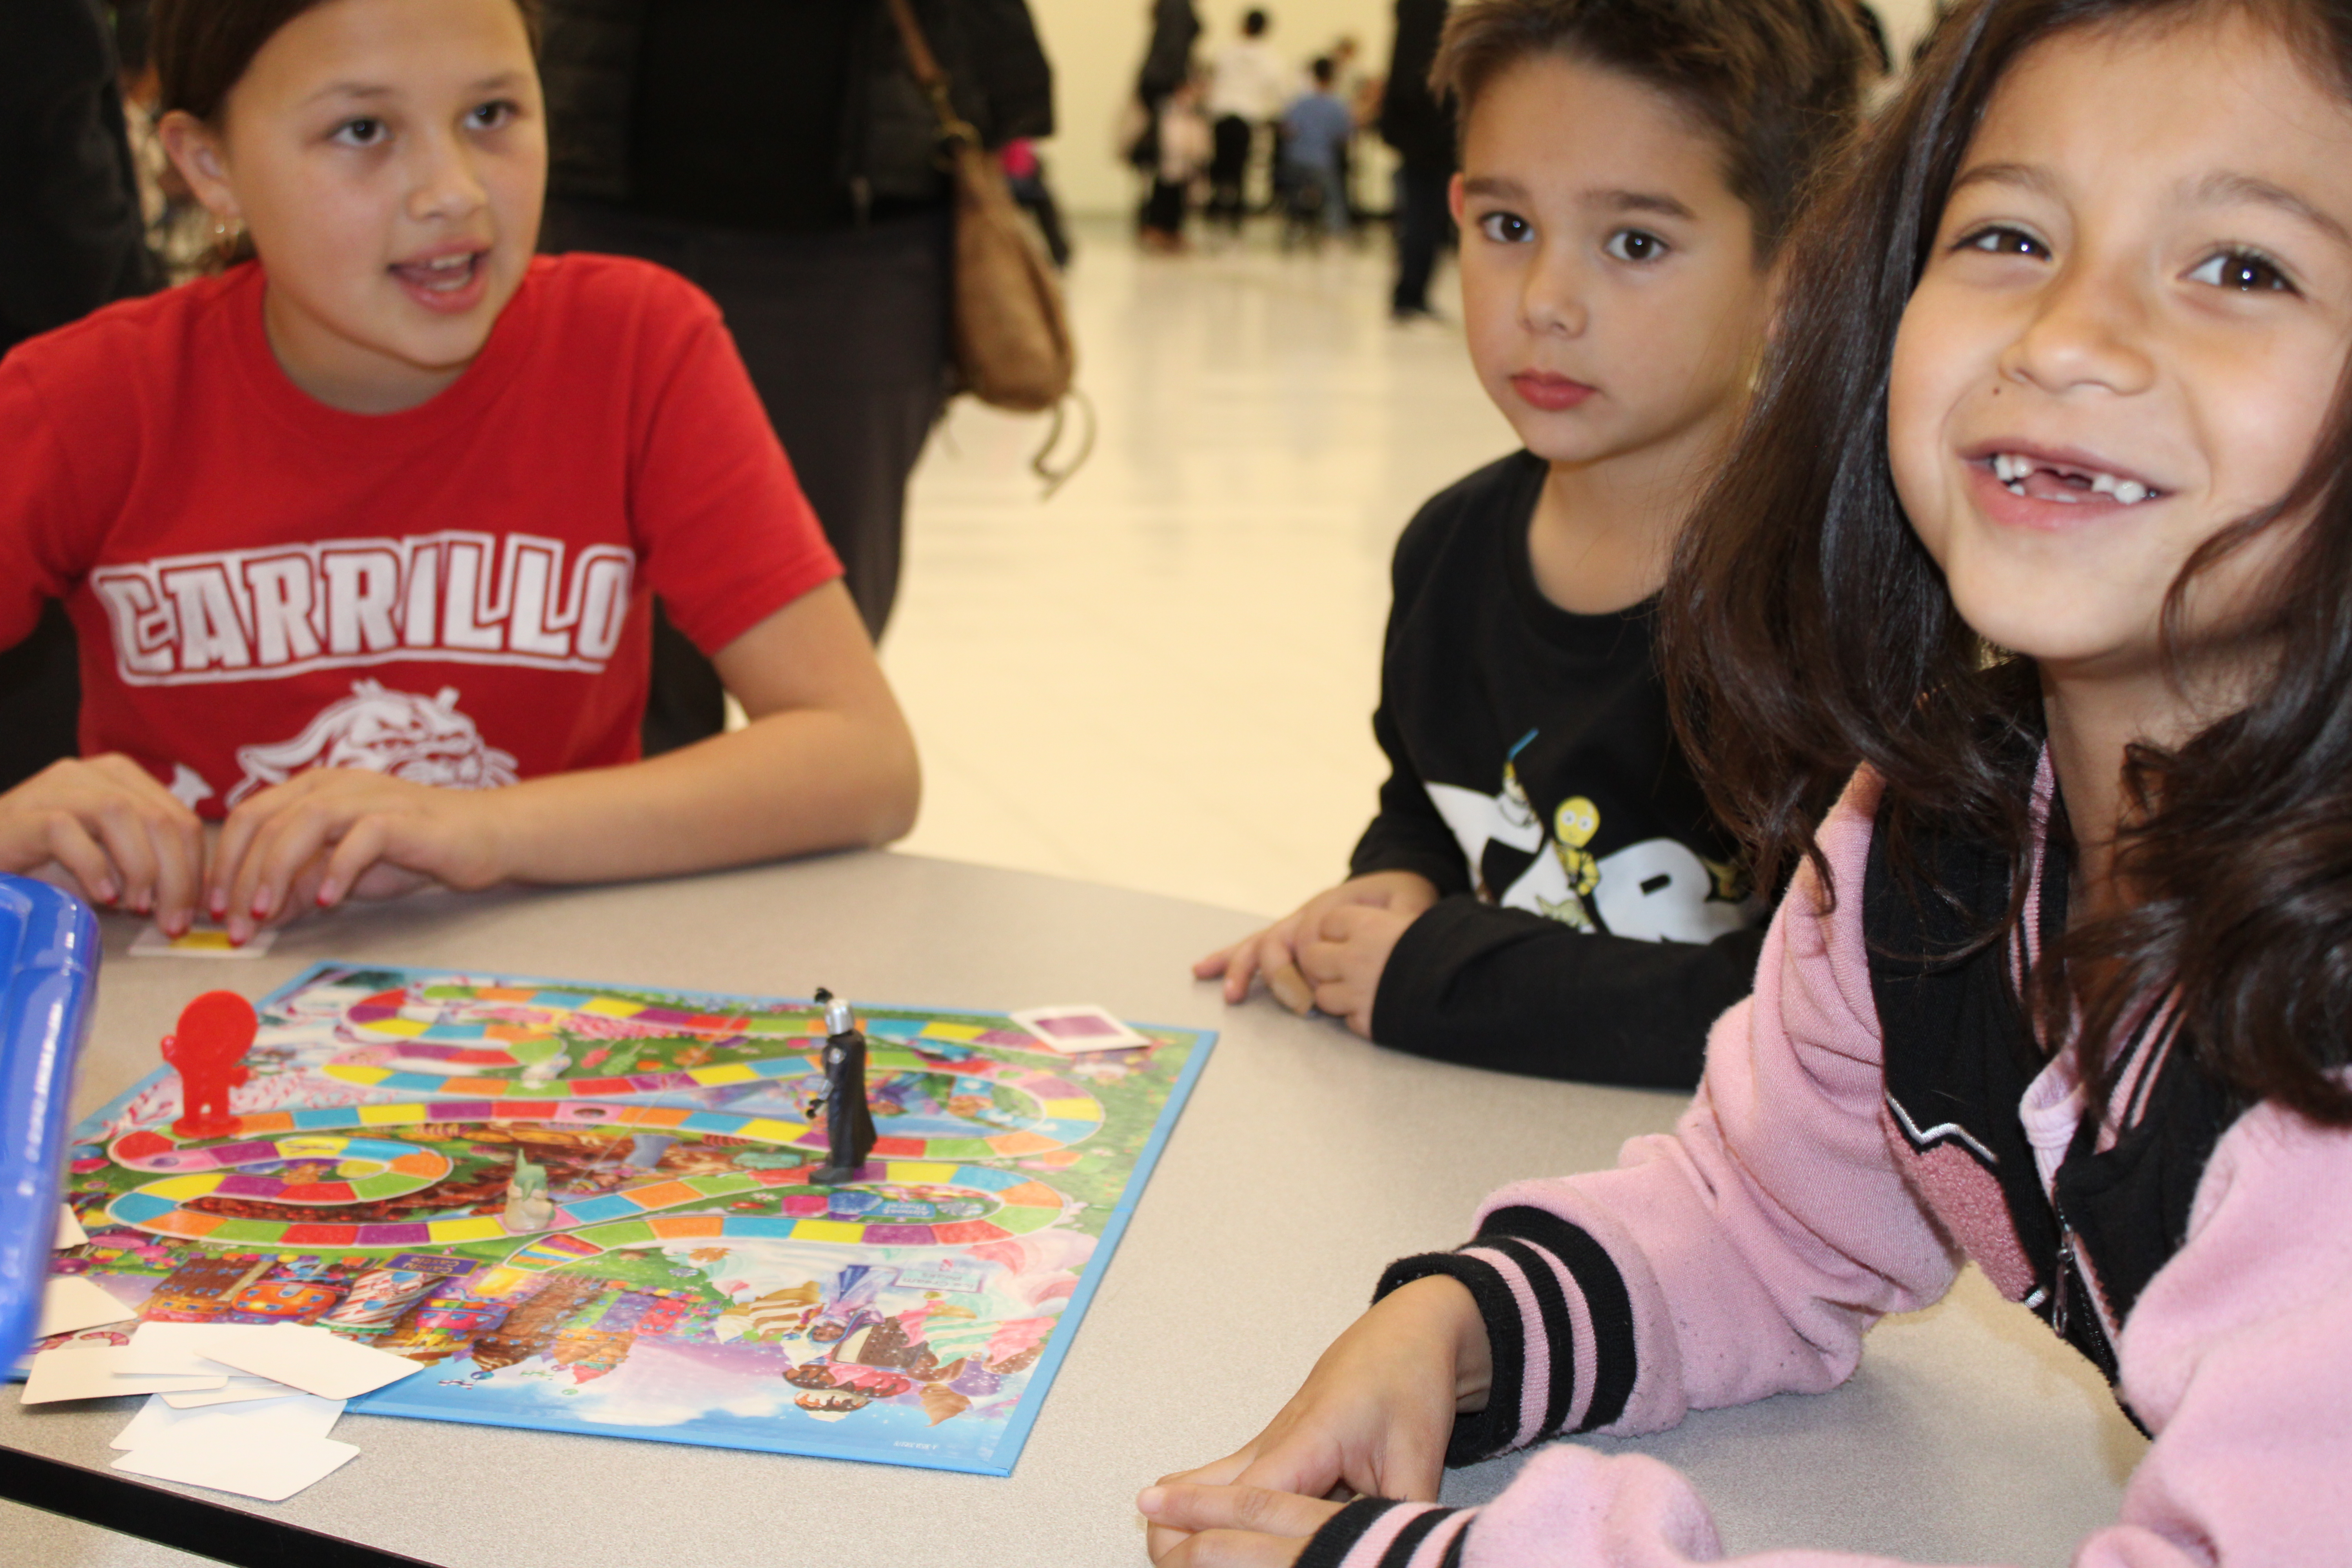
<point>587,1208</point>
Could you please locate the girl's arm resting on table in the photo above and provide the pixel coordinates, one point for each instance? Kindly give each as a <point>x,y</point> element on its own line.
<point>2238,1357</point>
<point>826,762</point>
<point>1747,1254</point>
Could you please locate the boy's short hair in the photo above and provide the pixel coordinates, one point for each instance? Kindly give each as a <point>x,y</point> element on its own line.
<point>1323,70</point>
<point>1778,81</point>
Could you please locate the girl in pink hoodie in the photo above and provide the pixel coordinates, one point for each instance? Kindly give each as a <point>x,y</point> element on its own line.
<point>2033,569</point>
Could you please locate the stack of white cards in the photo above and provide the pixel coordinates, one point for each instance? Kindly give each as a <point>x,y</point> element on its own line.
<point>242,1408</point>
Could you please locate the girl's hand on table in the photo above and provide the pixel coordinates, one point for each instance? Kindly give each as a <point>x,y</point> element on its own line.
<point>1230,1527</point>
<point>1371,1419</point>
<point>337,833</point>
<point>123,837</point>
<point>1273,954</point>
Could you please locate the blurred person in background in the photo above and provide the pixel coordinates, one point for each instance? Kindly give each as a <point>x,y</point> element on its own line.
<point>1184,144</point>
<point>1419,127</point>
<point>1248,87</point>
<point>782,158</point>
<point>1360,91</point>
<point>1025,176</point>
<point>71,239</point>
<point>1167,66</point>
<point>1314,132</point>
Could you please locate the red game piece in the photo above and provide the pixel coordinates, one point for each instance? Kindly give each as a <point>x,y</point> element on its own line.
<point>208,1051</point>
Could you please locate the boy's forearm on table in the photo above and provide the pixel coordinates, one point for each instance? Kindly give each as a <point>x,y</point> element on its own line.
<point>1511,990</point>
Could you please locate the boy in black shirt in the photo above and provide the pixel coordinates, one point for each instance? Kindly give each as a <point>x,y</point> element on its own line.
<point>1543,888</point>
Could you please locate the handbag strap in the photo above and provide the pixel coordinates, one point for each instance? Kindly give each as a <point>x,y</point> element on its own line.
<point>924,67</point>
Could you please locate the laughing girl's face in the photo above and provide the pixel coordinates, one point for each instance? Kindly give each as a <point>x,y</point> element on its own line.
<point>2129,334</point>
<point>389,157</point>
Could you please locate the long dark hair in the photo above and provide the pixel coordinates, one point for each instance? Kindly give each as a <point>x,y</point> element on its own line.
<point>1807,632</point>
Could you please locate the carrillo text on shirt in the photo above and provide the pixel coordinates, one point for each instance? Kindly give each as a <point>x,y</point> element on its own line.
<point>455,595</point>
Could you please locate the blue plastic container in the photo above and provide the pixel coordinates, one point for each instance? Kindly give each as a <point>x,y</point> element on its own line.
<point>48,963</point>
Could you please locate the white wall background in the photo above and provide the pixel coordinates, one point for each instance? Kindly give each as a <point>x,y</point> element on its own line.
<point>1096,44</point>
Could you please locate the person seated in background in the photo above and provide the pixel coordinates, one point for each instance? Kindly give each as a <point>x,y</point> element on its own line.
<point>1316,130</point>
<point>1182,146</point>
<point>1544,889</point>
<point>1248,84</point>
<point>358,536</point>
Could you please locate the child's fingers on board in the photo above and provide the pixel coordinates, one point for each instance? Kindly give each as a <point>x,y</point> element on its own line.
<point>233,850</point>
<point>278,850</point>
<point>154,841</point>
<point>179,873</point>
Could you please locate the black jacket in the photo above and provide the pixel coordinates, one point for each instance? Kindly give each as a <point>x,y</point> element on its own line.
<point>71,238</point>
<point>1175,28</point>
<point>1593,923</point>
<point>886,151</point>
<point>1412,120</point>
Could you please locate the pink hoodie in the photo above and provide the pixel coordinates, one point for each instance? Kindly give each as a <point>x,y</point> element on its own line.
<point>1747,1254</point>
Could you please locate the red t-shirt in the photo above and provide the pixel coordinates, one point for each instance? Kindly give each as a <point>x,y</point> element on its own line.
<point>456,594</point>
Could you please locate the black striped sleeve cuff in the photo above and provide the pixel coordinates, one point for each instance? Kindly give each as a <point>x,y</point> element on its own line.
<point>1560,1326</point>
<point>1379,1532</point>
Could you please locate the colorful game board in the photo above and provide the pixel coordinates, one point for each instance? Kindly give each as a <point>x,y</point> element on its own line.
<point>589,1208</point>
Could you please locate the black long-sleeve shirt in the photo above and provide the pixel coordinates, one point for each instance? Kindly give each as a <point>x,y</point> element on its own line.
<point>1595,921</point>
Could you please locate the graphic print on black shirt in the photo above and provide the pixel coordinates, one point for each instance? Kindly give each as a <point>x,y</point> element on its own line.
<point>1658,890</point>
<point>1594,920</point>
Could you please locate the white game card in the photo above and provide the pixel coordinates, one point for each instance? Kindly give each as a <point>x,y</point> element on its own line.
<point>313,1361</point>
<point>237,1391</point>
<point>289,1414</point>
<point>271,1469</point>
<point>96,1373</point>
<point>1079,1028</point>
<point>69,1303</point>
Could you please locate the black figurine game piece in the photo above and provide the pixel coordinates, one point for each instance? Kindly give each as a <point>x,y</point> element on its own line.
<point>848,1124</point>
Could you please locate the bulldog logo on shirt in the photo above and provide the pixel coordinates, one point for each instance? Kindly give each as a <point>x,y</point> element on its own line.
<point>424,740</point>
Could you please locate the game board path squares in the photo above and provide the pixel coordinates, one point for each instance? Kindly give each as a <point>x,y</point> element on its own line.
<point>1016,1203</point>
<point>1066,1114</point>
<point>1022,1204</point>
<point>451,1026</point>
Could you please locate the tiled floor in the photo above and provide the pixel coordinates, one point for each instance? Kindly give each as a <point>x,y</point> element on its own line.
<point>1163,677</point>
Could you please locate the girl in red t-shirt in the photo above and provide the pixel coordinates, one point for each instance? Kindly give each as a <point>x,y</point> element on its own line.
<point>397,451</point>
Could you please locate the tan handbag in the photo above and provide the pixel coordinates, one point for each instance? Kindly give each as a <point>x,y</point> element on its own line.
<point>1012,331</point>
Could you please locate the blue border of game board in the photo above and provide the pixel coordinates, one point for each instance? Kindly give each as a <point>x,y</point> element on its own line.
<point>1004,1453</point>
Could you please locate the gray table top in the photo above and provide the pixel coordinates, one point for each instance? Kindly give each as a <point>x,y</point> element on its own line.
<point>1304,1162</point>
